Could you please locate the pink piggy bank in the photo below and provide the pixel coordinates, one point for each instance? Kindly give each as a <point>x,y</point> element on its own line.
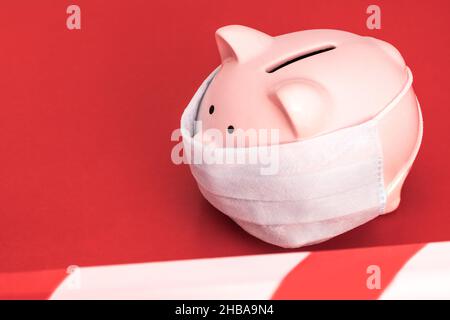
<point>348,124</point>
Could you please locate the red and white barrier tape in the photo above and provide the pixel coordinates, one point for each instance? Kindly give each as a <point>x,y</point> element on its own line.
<point>419,271</point>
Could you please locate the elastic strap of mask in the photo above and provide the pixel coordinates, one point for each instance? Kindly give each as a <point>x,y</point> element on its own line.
<point>409,164</point>
<point>397,98</point>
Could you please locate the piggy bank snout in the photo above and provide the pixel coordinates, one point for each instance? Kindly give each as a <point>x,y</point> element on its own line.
<point>207,138</point>
<point>213,138</point>
<point>238,137</point>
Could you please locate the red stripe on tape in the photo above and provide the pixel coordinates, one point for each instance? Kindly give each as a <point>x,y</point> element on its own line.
<point>345,274</point>
<point>30,285</point>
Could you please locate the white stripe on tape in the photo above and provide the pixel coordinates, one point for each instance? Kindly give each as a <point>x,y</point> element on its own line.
<point>246,277</point>
<point>425,276</point>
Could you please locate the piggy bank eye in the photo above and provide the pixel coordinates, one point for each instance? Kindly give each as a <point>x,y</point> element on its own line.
<point>211,109</point>
<point>230,129</point>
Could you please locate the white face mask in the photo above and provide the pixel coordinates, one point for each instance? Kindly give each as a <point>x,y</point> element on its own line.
<point>324,186</point>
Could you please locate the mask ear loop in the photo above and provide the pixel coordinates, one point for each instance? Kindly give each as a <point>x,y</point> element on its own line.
<point>401,176</point>
<point>397,98</point>
<point>386,110</point>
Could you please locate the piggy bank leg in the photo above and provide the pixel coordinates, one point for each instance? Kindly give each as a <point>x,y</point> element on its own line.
<point>394,193</point>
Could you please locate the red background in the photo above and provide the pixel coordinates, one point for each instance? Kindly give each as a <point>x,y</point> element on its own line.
<point>86,116</point>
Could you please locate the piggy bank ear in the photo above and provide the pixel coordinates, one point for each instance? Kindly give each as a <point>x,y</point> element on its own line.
<point>240,43</point>
<point>305,106</point>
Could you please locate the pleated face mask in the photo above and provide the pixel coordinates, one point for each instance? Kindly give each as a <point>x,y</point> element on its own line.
<point>311,191</point>
<point>317,189</point>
